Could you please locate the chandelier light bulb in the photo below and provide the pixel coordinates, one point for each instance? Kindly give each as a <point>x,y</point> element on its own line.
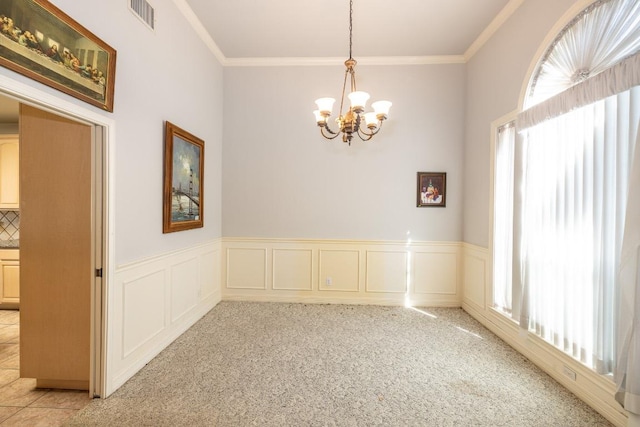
<point>381,108</point>
<point>325,105</point>
<point>320,119</point>
<point>358,101</point>
<point>371,119</point>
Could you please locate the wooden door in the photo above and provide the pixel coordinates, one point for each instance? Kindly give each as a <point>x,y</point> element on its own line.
<point>55,249</point>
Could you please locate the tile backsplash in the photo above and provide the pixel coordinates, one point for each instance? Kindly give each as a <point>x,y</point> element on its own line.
<point>9,225</point>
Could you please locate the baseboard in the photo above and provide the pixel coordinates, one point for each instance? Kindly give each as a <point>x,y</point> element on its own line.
<point>63,384</point>
<point>338,300</point>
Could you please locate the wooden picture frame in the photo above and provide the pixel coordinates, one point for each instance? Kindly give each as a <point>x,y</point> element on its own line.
<point>183,204</point>
<point>431,190</point>
<point>43,43</point>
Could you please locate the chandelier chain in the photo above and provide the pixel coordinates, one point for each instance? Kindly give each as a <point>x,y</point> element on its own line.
<point>350,29</point>
<point>353,120</point>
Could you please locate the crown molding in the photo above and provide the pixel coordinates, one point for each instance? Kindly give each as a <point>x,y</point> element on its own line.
<point>197,26</point>
<point>366,60</point>
<point>492,28</point>
<point>488,32</point>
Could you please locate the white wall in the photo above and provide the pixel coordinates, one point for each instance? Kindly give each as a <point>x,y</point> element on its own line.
<point>495,76</point>
<point>281,179</point>
<point>170,75</point>
<point>159,284</point>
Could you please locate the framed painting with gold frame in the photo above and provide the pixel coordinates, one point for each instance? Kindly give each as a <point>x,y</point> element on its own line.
<point>40,41</point>
<point>183,180</point>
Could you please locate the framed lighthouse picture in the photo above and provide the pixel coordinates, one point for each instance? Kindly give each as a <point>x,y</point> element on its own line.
<point>183,180</point>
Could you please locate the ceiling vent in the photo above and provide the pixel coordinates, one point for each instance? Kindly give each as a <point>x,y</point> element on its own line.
<point>143,10</point>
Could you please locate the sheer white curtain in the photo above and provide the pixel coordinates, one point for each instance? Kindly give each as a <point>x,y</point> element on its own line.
<point>627,371</point>
<point>600,36</point>
<point>575,182</point>
<point>503,218</point>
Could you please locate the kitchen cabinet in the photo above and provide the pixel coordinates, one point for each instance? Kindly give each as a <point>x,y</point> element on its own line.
<point>9,172</point>
<point>9,278</point>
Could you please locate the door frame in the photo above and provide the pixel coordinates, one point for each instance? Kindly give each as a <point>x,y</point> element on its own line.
<point>103,139</point>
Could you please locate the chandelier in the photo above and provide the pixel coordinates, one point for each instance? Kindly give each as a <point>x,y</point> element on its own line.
<point>354,120</point>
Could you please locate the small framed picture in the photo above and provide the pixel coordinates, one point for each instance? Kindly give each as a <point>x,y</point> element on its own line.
<point>432,189</point>
<point>183,180</point>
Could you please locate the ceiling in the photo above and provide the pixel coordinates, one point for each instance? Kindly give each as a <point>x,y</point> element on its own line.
<point>261,29</point>
<point>381,28</point>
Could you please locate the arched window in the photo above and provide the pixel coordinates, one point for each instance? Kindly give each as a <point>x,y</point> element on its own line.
<point>560,216</point>
<point>599,37</point>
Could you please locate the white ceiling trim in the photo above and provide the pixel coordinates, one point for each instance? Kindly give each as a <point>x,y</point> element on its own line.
<point>493,26</point>
<point>365,60</point>
<point>191,17</point>
<point>488,32</point>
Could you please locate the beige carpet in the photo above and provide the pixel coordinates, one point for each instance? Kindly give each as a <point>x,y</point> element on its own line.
<point>266,364</point>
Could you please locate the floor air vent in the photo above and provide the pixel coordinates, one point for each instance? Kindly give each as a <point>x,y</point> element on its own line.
<point>143,10</point>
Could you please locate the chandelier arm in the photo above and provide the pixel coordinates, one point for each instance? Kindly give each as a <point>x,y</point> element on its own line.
<point>364,135</point>
<point>371,134</point>
<point>368,137</point>
<point>354,86</point>
<point>335,134</point>
<point>344,86</point>
<point>326,126</point>
<point>358,131</point>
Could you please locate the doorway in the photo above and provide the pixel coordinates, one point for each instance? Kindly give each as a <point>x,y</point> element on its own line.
<point>56,315</point>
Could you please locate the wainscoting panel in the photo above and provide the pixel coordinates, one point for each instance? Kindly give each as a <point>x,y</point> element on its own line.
<point>155,300</point>
<point>247,268</point>
<point>386,271</point>
<point>148,289</point>
<point>185,287</point>
<point>292,269</point>
<point>435,273</point>
<point>342,272</point>
<point>475,276</point>
<point>210,273</point>
<point>339,270</point>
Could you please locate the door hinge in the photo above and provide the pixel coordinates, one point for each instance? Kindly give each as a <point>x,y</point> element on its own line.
<point>98,272</point>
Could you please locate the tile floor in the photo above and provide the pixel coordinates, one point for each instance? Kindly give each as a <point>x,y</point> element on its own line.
<point>21,403</point>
